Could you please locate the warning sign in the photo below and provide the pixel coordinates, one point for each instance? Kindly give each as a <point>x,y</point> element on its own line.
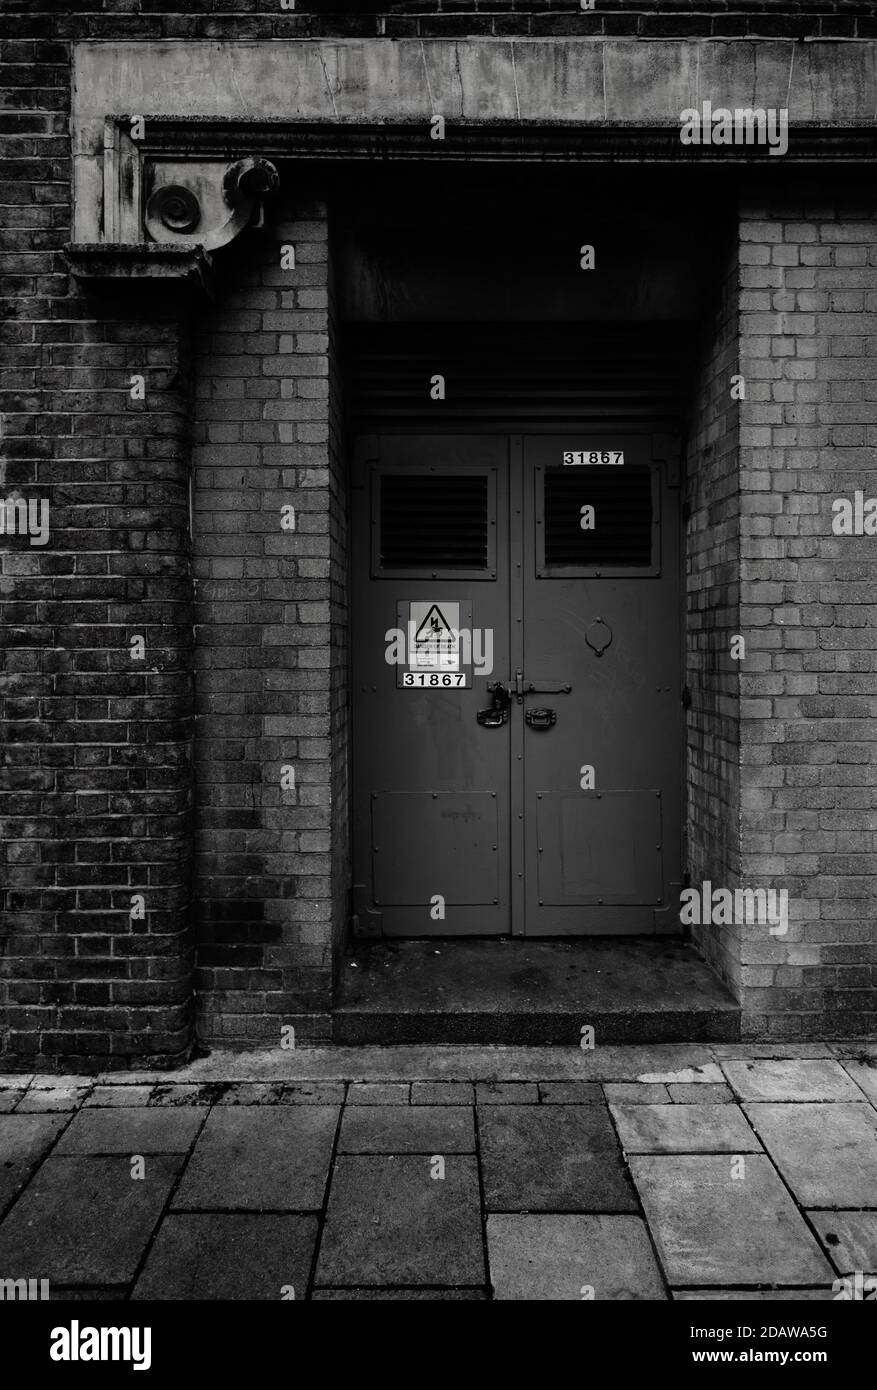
<point>434,636</point>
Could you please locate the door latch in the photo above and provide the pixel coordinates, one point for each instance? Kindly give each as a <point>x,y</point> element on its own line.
<point>541,718</point>
<point>498,712</point>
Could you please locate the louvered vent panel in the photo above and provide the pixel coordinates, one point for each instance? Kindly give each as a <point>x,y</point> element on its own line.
<point>622,502</point>
<point>434,521</point>
<point>516,373</point>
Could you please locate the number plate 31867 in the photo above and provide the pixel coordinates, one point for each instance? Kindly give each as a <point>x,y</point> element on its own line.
<point>594,456</point>
<point>435,680</point>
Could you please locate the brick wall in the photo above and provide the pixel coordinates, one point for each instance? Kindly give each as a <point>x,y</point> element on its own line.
<point>808,436</point>
<point>271,673</point>
<point>96,760</point>
<point>96,757</point>
<point>713,595</point>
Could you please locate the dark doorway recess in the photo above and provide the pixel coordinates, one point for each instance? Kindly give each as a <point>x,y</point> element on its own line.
<point>497,897</point>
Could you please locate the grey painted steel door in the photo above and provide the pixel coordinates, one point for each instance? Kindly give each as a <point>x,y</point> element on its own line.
<point>516,674</point>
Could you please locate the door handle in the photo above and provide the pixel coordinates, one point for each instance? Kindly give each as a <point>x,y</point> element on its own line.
<point>496,713</point>
<point>541,718</point>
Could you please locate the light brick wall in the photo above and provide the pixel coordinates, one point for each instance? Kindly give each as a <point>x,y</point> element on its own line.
<point>712,587</point>
<point>271,673</point>
<point>808,685</point>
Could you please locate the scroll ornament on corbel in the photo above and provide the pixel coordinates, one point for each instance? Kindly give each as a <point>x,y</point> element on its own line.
<point>205,202</point>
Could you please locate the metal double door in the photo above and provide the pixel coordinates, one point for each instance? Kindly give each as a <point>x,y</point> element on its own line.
<point>516,679</point>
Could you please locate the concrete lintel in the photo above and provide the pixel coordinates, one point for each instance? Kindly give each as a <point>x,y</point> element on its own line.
<point>553,80</point>
<point>497,85</point>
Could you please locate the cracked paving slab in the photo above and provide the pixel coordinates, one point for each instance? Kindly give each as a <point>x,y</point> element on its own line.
<point>827,1152</point>
<point>713,1228</point>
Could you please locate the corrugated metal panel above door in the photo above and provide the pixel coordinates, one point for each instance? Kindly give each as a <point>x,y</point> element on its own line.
<point>606,373</point>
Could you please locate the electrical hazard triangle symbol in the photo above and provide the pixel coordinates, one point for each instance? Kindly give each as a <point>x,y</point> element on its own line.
<point>434,628</point>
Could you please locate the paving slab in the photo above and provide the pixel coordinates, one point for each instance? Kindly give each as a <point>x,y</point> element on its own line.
<point>755,1295</point>
<point>131,1130</point>
<point>849,1238</point>
<point>255,1158</point>
<point>62,1081</point>
<point>9,1099</point>
<point>389,1222</point>
<point>552,1158</point>
<point>506,1093</point>
<point>827,1152</point>
<point>708,1093</point>
<point>85,1220</point>
<point>792,1079</point>
<point>24,1139</point>
<point>427,1129</point>
<point>557,1257</point>
<point>778,1049</point>
<point>854,1048</point>
<point>379,1093</point>
<point>211,1256</point>
<point>570,1093</point>
<point>252,1093</point>
<point>60,1294</point>
<point>314,1093</point>
<point>442,1093</point>
<point>707,1073</point>
<point>43,1097</point>
<point>399,1295</point>
<point>683,1129</point>
<point>117,1097</point>
<point>173,1094</point>
<point>864,1075</point>
<point>632,1094</point>
<point>711,1228</point>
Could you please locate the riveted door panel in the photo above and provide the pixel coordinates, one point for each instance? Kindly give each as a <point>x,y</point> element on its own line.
<point>553,806</point>
<point>601,794</point>
<point>431,784</point>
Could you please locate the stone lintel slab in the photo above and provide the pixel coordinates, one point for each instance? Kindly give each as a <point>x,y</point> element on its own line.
<point>477,79</point>
<point>634,90</point>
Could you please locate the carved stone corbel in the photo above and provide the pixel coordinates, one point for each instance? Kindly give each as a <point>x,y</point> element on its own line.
<point>206,202</point>
<point>164,209</point>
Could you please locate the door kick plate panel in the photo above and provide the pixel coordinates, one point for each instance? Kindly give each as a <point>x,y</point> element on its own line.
<point>429,843</point>
<point>599,847</point>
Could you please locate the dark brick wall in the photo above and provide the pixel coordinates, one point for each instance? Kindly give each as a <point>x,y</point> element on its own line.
<point>96,755</point>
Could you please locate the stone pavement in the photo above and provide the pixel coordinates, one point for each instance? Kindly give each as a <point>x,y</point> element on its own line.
<point>714,1171</point>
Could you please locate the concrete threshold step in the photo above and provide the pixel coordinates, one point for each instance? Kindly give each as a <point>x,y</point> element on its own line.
<point>629,989</point>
